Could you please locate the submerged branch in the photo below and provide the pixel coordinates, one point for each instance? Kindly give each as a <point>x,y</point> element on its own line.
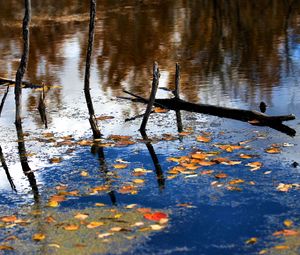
<point>262,119</point>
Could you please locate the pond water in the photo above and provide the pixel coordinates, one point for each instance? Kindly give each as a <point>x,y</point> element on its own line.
<point>232,53</point>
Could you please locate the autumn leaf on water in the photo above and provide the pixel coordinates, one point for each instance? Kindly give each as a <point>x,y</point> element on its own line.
<point>254,165</point>
<point>55,160</point>
<point>157,216</point>
<point>281,247</point>
<point>286,232</point>
<point>231,162</point>
<point>284,187</point>
<point>6,248</point>
<point>71,227</point>
<point>156,227</point>
<point>138,181</point>
<point>221,176</point>
<point>38,237</point>
<point>57,198</point>
<point>95,224</point>
<point>245,156</point>
<point>160,110</point>
<point>81,216</point>
<point>84,173</point>
<point>203,139</point>
<point>199,155</point>
<point>228,147</point>
<point>207,172</point>
<point>11,218</point>
<point>252,240</point>
<point>288,223</point>
<point>103,117</point>
<point>273,150</point>
<point>236,181</point>
<point>120,166</point>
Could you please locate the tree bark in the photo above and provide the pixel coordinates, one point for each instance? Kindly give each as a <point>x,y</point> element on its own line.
<point>88,98</point>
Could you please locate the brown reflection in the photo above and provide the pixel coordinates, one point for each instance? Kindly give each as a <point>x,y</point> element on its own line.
<point>232,42</point>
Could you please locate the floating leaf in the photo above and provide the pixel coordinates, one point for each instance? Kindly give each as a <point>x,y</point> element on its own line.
<point>138,224</point>
<point>11,218</point>
<point>281,247</point>
<point>57,198</point>
<point>84,173</point>
<point>55,160</point>
<point>95,224</point>
<point>138,181</point>
<point>120,166</point>
<point>157,216</point>
<point>252,240</point>
<point>245,156</point>
<point>100,204</point>
<point>284,187</point>
<point>273,150</point>
<point>81,216</point>
<point>254,165</point>
<point>233,188</point>
<point>231,163</point>
<point>286,232</point>
<point>206,163</point>
<point>288,223</point>
<point>156,227</point>
<point>160,110</point>
<point>6,248</point>
<point>203,139</point>
<point>53,204</point>
<point>38,237</point>
<point>104,235</point>
<point>236,181</point>
<point>104,117</point>
<point>71,227</point>
<point>221,176</point>
<point>207,172</point>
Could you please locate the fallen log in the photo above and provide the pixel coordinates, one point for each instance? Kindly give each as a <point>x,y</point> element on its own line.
<point>251,116</point>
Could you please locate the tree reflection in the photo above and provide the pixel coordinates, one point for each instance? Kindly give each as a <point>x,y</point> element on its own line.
<point>220,44</point>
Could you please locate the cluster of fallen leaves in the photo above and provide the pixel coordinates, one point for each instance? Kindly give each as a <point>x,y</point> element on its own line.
<point>68,230</point>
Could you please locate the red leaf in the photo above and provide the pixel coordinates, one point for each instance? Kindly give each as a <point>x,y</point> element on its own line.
<point>157,216</point>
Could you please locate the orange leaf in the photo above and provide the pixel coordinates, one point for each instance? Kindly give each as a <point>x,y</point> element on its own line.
<point>95,224</point>
<point>71,227</point>
<point>273,150</point>
<point>38,237</point>
<point>221,176</point>
<point>203,139</point>
<point>11,218</point>
<point>120,166</point>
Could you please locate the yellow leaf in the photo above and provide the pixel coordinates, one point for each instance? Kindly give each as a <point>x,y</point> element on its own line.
<point>245,156</point>
<point>120,166</point>
<point>53,204</point>
<point>252,240</point>
<point>118,215</point>
<point>104,235</point>
<point>81,216</point>
<point>6,248</point>
<point>284,187</point>
<point>138,181</point>
<point>71,227</point>
<point>95,224</point>
<point>84,173</point>
<point>116,229</point>
<point>281,247</point>
<point>99,204</point>
<point>273,150</point>
<point>156,227</point>
<point>38,237</point>
<point>236,181</point>
<point>288,223</point>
